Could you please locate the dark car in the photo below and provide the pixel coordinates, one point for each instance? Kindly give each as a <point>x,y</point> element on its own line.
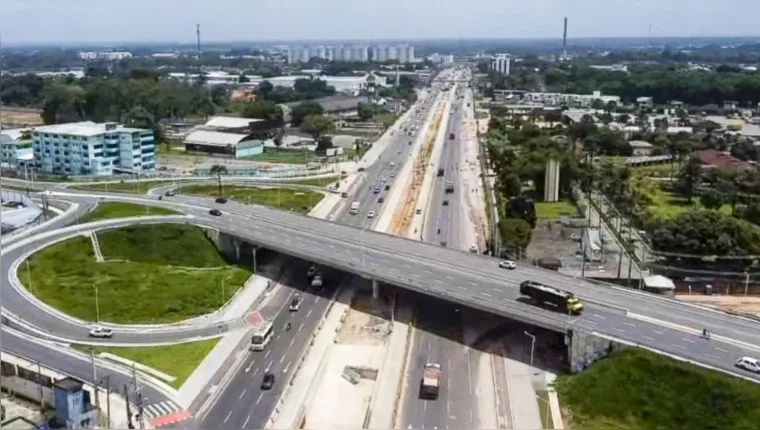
<point>221,200</point>
<point>215,212</point>
<point>445,202</point>
<point>268,381</point>
<point>380,200</point>
<point>387,187</point>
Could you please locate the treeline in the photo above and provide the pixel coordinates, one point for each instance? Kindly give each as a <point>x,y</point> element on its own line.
<point>664,84</point>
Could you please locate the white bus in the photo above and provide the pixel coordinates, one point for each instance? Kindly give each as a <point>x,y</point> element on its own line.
<point>262,336</point>
<point>354,208</point>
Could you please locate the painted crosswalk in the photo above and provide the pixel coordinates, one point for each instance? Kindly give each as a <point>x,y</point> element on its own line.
<point>254,319</point>
<point>164,413</point>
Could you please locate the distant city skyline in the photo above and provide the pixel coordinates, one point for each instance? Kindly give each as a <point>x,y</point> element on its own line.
<point>173,21</point>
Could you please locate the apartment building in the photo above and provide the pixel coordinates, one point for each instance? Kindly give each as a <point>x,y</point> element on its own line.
<point>571,100</point>
<point>501,63</point>
<point>88,148</point>
<point>361,53</point>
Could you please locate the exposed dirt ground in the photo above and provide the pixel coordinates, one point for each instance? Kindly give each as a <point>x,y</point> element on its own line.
<point>730,303</point>
<point>20,117</point>
<point>367,322</point>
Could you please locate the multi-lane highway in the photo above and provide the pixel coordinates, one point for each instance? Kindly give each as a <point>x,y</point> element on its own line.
<point>438,332</point>
<point>243,404</point>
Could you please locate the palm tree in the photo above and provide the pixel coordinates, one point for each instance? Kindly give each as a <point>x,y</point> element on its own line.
<point>218,170</point>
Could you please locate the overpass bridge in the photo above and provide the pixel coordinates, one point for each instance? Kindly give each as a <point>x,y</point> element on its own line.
<point>612,312</point>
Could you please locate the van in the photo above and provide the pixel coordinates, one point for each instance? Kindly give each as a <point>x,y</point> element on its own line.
<point>354,208</point>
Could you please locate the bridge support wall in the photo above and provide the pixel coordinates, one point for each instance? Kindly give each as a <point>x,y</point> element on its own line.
<point>585,348</point>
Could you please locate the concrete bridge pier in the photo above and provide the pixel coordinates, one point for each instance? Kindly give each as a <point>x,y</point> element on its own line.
<point>585,348</point>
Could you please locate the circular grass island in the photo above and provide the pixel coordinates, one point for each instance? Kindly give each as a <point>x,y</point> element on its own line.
<point>152,274</point>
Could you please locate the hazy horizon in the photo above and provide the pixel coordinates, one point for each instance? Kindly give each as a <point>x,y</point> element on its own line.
<point>90,22</point>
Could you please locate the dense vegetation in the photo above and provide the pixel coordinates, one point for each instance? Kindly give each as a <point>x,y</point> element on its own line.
<point>638,390</point>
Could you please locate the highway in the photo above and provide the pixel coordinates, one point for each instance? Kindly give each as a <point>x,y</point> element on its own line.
<point>438,335</point>
<point>456,276</point>
<point>243,404</point>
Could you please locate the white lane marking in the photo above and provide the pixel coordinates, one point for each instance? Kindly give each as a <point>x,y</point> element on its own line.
<point>589,322</point>
<point>601,317</point>
<point>246,421</point>
<point>473,283</point>
<point>679,346</point>
<point>243,393</point>
<point>287,367</point>
<point>255,371</point>
<point>621,330</point>
<point>651,339</point>
<point>721,349</point>
<point>629,324</point>
<point>282,358</point>
<point>300,327</point>
<point>228,416</point>
<point>496,290</point>
<point>268,352</point>
<point>687,340</point>
<point>259,399</point>
<point>269,366</point>
<point>657,331</point>
<point>439,281</point>
<point>450,278</point>
<point>308,313</point>
<point>316,300</point>
<point>291,342</point>
<point>486,294</point>
<point>712,356</point>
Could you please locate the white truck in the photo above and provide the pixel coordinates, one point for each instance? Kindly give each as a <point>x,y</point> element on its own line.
<point>431,381</point>
<point>354,208</point>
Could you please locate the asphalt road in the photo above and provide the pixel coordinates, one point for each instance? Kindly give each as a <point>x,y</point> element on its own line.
<point>243,404</point>
<point>438,328</point>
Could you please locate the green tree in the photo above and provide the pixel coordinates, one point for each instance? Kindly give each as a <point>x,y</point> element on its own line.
<point>515,233</point>
<point>263,109</point>
<point>302,110</point>
<point>712,199</point>
<point>218,170</point>
<point>366,111</point>
<point>689,178</point>
<point>317,126</point>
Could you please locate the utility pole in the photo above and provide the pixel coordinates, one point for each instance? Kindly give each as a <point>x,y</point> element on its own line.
<point>95,379</point>
<point>129,412</point>
<point>39,384</point>
<point>108,400</point>
<point>138,391</point>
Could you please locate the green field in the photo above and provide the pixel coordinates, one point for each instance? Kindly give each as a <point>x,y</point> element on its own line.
<point>282,198</point>
<point>555,210</point>
<point>638,390</point>
<point>140,187</point>
<point>317,182</point>
<point>111,210</point>
<point>179,361</point>
<point>152,274</point>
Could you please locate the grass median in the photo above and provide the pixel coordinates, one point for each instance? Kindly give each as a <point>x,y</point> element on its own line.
<point>179,361</point>
<point>139,187</point>
<point>153,274</point>
<point>113,210</point>
<point>281,198</point>
<point>639,390</point>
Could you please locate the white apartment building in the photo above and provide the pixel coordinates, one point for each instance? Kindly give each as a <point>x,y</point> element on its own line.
<point>87,148</point>
<point>110,56</point>
<point>571,100</point>
<point>501,63</point>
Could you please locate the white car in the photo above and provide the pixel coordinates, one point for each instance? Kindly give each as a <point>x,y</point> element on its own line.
<point>474,249</point>
<point>101,332</point>
<point>507,264</point>
<point>371,214</point>
<point>295,305</point>
<point>748,363</point>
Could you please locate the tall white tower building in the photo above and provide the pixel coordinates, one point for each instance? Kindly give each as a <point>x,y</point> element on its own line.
<point>500,63</point>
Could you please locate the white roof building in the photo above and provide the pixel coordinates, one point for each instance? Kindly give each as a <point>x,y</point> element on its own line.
<point>228,122</point>
<point>214,138</point>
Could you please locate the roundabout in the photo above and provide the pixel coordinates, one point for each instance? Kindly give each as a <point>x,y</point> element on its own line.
<point>155,274</point>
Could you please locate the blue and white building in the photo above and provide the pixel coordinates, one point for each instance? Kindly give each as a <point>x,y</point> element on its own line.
<point>16,148</point>
<point>91,149</point>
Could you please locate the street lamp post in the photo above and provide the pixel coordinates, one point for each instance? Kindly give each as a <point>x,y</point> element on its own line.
<point>532,346</point>
<point>97,303</point>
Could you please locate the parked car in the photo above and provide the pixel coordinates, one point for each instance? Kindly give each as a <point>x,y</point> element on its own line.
<point>221,200</point>
<point>508,264</point>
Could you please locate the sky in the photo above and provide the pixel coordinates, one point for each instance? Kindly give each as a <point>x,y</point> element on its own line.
<point>113,21</point>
